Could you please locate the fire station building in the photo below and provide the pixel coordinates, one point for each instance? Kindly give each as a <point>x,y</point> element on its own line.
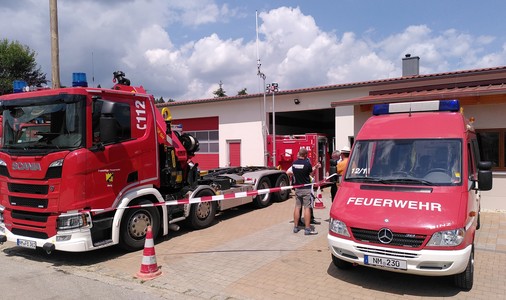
<point>231,129</point>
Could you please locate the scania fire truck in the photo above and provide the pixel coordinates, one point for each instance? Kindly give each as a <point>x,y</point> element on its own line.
<point>409,201</point>
<point>104,167</point>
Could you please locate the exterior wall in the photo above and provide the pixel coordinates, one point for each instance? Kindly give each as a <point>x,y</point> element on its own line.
<point>345,125</point>
<point>490,116</point>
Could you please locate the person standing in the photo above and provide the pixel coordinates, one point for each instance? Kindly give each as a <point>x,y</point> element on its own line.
<point>334,160</point>
<point>345,155</point>
<point>302,171</point>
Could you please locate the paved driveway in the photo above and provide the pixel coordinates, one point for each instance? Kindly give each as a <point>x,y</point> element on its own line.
<point>253,254</point>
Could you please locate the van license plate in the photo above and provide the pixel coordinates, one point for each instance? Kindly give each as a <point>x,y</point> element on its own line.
<point>385,262</point>
<point>27,244</point>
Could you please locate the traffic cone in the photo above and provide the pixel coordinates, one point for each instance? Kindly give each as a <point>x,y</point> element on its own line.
<point>318,204</point>
<point>149,268</point>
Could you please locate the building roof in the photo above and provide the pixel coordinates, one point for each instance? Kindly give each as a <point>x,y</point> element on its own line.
<point>421,95</point>
<point>380,82</point>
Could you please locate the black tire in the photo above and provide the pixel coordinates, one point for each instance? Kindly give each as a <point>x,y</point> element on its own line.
<point>464,280</point>
<point>134,226</point>
<point>341,264</point>
<point>282,181</point>
<point>478,222</point>
<point>264,200</point>
<point>202,214</point>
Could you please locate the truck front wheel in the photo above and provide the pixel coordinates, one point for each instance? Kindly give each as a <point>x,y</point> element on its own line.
<point>202,214</point>
<point>134,226</point>
<point>465,279</point>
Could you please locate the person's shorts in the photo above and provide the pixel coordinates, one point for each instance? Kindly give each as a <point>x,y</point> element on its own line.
<point>303,197</point>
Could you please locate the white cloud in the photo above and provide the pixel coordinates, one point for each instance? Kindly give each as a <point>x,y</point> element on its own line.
<point>137,38</point>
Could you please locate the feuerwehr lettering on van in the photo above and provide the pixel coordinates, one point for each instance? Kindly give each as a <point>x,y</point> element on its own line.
<point>395,203</point>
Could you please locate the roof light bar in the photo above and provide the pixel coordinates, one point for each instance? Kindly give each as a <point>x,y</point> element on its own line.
<point>420,106</point>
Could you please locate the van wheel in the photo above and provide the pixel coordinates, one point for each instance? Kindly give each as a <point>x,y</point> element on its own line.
<point>478,222</point>
<point>465,279</point>
<point>202,214</point>
<point>283,194</point>
<point>134,226</point>
<point>341,264</point>
<point>264,200</point>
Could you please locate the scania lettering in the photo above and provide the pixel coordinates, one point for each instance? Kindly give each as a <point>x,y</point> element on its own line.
<point>410,198</point>
<point>84,168</point>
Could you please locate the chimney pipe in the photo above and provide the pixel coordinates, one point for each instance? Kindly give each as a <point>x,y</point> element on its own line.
<point>410,65</point>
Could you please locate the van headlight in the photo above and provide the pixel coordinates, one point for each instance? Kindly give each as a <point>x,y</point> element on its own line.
<point>338,227</point>
<point>72,221</point>
<point>447,238</point>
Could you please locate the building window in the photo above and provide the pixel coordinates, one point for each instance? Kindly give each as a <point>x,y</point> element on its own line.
<point>492,147</point>
<point>208,140</point>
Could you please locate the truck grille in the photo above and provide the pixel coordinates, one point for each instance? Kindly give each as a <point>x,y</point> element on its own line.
<point>28,202</point>
<point>399,239</point>
<point>29,233</point>
<point>29,216</point>
<point>28,188</point>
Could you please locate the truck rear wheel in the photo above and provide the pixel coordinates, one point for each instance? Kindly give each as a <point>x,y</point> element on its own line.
<point>282,181</point>
<point>465,279</point>
<point>134,226</point>
<point>265,199</point>
<point>202,214</point>
<point>341,264</point>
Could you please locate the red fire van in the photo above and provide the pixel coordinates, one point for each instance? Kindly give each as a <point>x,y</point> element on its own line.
<point>410,198</point>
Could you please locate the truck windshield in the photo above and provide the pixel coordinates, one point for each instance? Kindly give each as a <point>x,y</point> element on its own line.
<point>55,123</point>
<point>407,161</point>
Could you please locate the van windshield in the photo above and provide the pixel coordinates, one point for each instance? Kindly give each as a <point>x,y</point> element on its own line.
<point>407,161</point>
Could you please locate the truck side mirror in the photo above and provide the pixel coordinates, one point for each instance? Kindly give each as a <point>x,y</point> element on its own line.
<point>485,175</point>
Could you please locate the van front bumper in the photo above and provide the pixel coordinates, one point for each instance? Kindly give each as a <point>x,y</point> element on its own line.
<point>420,262</point>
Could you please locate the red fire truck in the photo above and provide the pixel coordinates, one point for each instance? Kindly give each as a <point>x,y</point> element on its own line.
<point>409,201</point>
<point>105,167</point>
<point>287,147</point>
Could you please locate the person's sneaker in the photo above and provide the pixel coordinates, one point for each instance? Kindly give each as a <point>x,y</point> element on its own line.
<point>310,231</point>
<point>296,229</point>
<point>314,222</point>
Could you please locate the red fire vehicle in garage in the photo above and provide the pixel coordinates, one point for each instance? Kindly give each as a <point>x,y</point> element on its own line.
<point>287,147</point>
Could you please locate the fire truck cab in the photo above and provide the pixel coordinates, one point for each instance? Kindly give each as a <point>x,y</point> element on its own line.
<point>409,201</point>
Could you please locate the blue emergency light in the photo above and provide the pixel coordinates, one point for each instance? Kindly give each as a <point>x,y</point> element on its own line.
<point>79,79</point>
<point>420,106</point>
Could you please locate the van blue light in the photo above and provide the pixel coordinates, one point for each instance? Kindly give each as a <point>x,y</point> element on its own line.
<point>419,106</point>
<point>79,79</point>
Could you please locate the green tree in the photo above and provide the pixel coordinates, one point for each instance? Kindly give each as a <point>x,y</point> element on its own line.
<point>17,62</point>
<point>159,100</point>
<point>244,91</point>
<point>220,92</point>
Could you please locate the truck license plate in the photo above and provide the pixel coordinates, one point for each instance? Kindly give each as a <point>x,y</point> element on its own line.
<point>27,244</point>
<point>385,262</point>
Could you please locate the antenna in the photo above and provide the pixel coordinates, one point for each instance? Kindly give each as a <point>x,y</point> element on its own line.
<point>92,69</point>
<point>265,130</point>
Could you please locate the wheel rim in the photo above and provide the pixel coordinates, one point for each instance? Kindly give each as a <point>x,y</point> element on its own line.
<point>138,224</point>
<point>264,197</point>
<point>203,210</point>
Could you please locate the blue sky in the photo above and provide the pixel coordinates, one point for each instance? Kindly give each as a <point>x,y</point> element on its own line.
<point>183,49</point>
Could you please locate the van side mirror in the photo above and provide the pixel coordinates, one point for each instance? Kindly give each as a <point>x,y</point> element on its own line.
<point>485,175</point>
